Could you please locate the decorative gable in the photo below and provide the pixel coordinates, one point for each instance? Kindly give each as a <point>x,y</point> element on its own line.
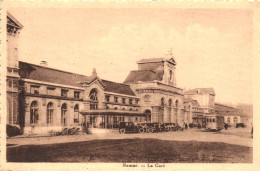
<point>94,81</point>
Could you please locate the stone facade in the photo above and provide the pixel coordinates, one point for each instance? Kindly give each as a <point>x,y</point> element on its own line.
<point>12,76</point>
<point>40,98</point>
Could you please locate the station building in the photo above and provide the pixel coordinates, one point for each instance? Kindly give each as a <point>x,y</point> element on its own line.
<point>40,98</point>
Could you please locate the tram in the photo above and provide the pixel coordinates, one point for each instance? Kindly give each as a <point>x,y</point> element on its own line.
<point>214,122</point>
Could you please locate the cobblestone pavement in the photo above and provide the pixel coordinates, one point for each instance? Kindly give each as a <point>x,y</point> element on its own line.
<point>237,136</point>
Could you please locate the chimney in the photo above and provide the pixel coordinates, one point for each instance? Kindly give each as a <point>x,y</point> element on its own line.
<point>44,63</point>
<point>94,72</point>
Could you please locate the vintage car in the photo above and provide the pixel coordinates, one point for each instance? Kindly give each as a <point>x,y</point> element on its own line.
<point>170,127</point>
<point>240,125</point>
<point>130,127</point>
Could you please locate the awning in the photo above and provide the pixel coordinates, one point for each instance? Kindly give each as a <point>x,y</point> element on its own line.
<point>112,112</point>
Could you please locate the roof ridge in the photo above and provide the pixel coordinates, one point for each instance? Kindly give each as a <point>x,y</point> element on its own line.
<point>115,82</point>
<point>54,69</point>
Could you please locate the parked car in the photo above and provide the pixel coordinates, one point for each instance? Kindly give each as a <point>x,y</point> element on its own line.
<point>129,127</point>
<point>240,125</point>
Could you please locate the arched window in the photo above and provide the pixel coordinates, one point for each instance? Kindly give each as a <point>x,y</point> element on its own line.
<point>170,103</point>
<point>93,96</point>
<point>176,103</point>
<point>123,108</point>
<point>63,113</point>
<point>147,115</point>
<point>34,113</point>
<point>170,75</point>
<point>76,113</point>
<point>130,109</point>
<point>162,101</point>
<point>228,120</point>
<point>115,108</point>
<point>50,109</point>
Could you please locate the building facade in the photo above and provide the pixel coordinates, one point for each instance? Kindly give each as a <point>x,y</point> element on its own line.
<point>12,76</point>
<point>40,98</point>
<point>231,114</point>
<point>155,84</point>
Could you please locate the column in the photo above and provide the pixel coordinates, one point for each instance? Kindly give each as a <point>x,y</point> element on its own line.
<point>173,118</point>
<point>178,116</point>
<point>190,116</point>
<point>167,115</point>
<point>155,114</point>
<point>27,112</point>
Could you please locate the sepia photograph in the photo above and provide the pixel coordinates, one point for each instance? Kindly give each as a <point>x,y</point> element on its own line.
<point>141,87</point>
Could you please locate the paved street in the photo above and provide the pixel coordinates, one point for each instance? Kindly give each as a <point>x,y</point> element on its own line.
<point>236,136</point>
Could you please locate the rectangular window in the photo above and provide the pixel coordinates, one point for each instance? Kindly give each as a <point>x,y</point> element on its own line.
<point>130,101</point>
<point>76,94</point>
<point>10,83</point>
<point>9,70</point>
<point>50,91</point>
<point>64,93</point>
<point>116,99</point>
<point>35,89</point>
<point>15,70</point>
<point>15,83</point>
<point>123,100</point>
<point>107,98</point>
<point>136,102</point>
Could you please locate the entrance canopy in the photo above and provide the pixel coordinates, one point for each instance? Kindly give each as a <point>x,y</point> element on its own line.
<point>112,112</point>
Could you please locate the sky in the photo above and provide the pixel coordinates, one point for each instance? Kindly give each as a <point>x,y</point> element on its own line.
<point>212,47</point>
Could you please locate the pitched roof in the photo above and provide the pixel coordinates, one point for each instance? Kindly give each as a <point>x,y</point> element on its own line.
<point>144,75</point>
<point>46,74</point>
<point>154,60</point>
<point>118,88</point>
<point>201,91</point>
<point>148,60</point>
<point>193,102</point>
<point>222,107</point>
<point>225,110</point>
<point>13,21</point>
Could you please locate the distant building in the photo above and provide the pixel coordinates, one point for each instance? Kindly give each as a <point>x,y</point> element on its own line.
<point>193,112</point>
<point>231,114</point>
<point>205,98</point>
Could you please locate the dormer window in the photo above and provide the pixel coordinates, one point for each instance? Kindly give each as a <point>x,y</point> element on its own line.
<point>76,94</point>
<point>107,98</point>
<point>123,100</point>
<point>64,92</point>
<point>116,99</point>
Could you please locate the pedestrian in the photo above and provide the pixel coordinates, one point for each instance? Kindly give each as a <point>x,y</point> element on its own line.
<point>226,126</point>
